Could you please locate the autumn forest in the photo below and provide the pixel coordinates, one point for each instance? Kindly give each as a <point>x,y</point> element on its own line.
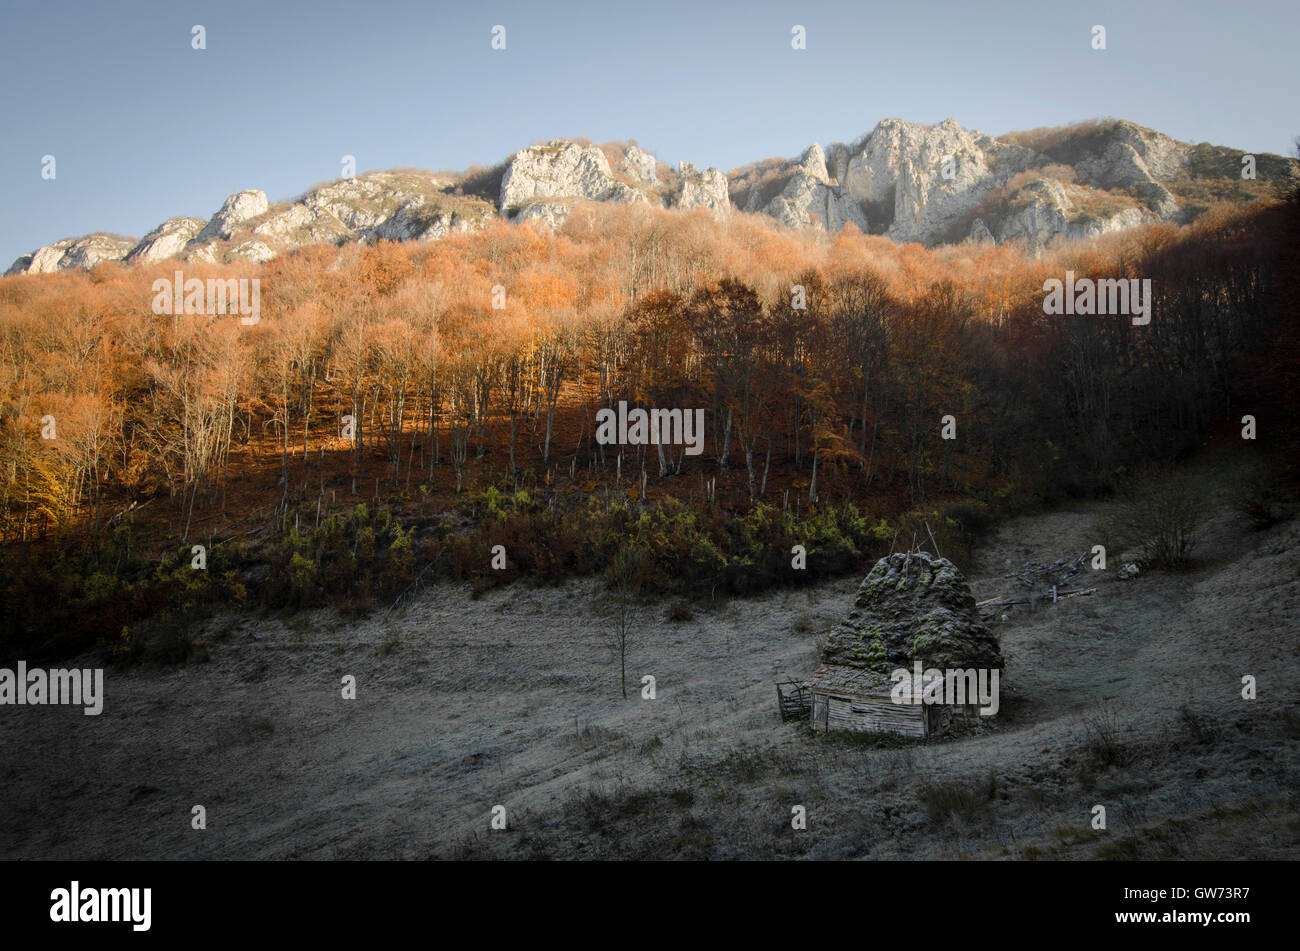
<point>401,409</point>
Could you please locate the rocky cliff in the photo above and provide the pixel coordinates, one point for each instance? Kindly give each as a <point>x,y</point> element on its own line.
<point>904,180</point>
<point>945,183</point>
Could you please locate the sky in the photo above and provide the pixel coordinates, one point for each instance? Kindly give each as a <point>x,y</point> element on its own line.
<point>144,127</point>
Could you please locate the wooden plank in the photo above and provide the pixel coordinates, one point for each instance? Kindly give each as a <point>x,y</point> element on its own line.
<point>866,715</point>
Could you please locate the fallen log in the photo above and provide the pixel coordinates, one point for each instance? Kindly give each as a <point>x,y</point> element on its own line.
<point>1071,594</point>
<point>1003,602</point>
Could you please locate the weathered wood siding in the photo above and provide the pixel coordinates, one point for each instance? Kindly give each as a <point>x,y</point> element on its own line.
<point>934,719</point>
<point>834,711</point>
<point>818,710</point>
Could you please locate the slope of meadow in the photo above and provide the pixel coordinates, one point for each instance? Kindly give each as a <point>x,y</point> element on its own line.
<point>1129,698</point>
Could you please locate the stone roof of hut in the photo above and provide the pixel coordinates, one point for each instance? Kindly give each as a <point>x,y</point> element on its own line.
<point>851,680</point>
<point>913,606</point>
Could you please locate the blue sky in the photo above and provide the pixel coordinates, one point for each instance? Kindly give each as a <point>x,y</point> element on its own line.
<point>143,127</point>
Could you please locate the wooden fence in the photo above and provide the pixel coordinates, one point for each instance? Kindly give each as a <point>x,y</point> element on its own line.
<point>794,699</point>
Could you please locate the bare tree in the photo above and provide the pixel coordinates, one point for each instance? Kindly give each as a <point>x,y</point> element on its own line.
<point>624,577</point>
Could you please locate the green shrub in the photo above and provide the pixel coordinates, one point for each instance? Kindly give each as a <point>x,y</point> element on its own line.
<point>302,580</point>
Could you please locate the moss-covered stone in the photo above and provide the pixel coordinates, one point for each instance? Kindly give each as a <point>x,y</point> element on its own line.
<point>913,607</point>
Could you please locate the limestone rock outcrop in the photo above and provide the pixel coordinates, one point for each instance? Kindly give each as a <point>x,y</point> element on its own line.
<point>812,198</point>
<point>1047,213</point>
<point>640,165</point>
<point>561,169</point>
<point>940,183</point>
<point>84,253</point>
<point>234,211</point>
<point>906,181</point>
<point>167,240</point>
<point>549,214</point>
<point>706,189</point>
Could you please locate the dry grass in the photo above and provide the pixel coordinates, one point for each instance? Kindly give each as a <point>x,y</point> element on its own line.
<point>512,699</point>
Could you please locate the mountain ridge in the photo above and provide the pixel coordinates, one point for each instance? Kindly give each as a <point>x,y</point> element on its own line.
<point>929,183</point>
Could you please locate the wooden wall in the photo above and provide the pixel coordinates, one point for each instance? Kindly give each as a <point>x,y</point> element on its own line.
<point>834,711</point>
